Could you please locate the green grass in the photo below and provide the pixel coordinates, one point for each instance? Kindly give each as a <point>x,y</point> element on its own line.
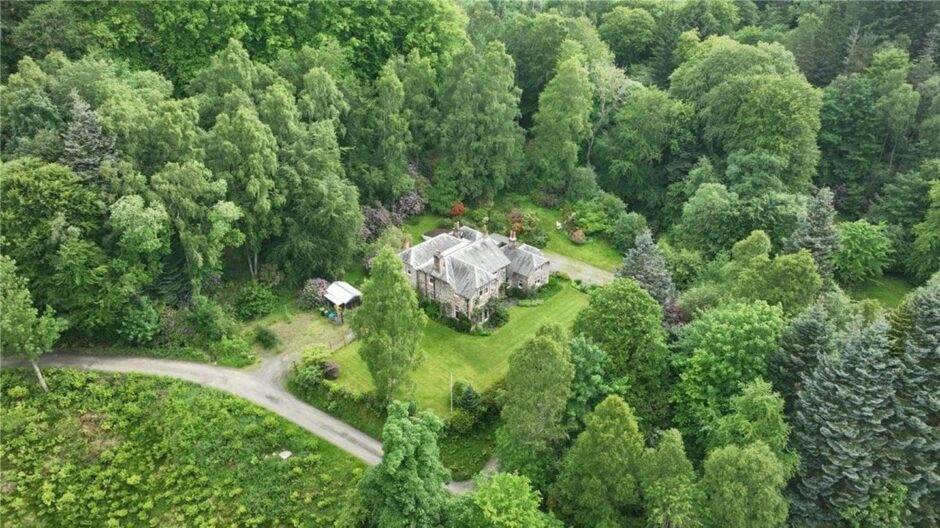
<point>421,224</point>
<point>480,360</point>
<point>888,290</point>
<point>134,450</point>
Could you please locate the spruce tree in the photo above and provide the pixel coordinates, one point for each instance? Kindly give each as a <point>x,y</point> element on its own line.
<point>817,232</point>
<point>85,145</point>
<point>807,336</point>
<point>918,387</point>
<point>842,427</point>
<point>646,264</point>
<point>598,484</point>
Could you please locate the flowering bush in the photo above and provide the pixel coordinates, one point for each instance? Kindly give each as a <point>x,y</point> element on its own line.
<point>458,209</point>
<point>312,294</point>
<point>410,204</point>
<point>376,220</point>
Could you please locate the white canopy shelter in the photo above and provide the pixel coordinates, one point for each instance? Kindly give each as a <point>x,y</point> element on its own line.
<point>341,293</point>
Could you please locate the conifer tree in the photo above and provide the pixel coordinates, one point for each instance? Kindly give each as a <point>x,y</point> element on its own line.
<point>807,336</point>
<point>599,484</point>
<point>389,325</point>
<point>85,145</point>
<point>918,386</point>
<point>817,232</point>
<point>407,487</point>
<point>671,490</point>
<point>842,427</point>
<point>646,264</point>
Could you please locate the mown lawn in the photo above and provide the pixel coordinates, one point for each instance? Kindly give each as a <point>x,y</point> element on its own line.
<point>134,450</point>
<point>888,290</point>
<point>480,360</point>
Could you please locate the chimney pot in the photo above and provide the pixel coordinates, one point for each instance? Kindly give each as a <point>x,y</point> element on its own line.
<point>438,262</point>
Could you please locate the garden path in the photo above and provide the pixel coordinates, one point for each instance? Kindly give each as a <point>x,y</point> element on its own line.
<point>578,270</point>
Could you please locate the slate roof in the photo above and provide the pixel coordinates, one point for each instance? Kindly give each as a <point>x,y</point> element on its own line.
<point>524,259</point>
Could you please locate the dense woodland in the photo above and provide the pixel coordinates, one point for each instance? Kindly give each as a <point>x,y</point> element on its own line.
<point>167,166</point>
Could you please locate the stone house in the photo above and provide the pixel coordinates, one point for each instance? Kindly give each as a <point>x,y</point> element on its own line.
<point>465,269</point>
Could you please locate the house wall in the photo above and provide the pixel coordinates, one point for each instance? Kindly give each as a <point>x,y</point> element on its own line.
<point>537,279</point>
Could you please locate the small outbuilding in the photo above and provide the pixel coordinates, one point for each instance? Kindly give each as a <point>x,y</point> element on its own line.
<point>343,295</point>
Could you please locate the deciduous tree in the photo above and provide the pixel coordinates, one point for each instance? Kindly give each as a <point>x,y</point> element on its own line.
<point>389,326</point>
<point>744,487</point>
<point>672,494</point>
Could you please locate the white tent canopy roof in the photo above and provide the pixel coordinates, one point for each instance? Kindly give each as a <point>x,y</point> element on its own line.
<point>341,292</point>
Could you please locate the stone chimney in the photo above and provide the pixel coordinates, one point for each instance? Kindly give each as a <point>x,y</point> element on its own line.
<point>438,262</point>
<point>512,239</point>
<point>457,231</point>
<point>486,231</point>
<point>407,242</point>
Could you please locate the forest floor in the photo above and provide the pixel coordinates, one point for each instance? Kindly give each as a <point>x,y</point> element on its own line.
<point>888,290</point>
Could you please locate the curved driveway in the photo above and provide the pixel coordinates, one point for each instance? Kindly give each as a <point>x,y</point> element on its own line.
<point>264,383</point>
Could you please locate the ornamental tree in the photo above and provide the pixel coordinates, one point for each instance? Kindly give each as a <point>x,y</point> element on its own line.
<point>646,264</point>
<point>865,251</point>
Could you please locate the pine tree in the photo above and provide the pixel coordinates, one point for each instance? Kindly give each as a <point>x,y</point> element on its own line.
<point>918,386</point>
<point>817,232</point>
<point>842,427</point>
<point>807,337</point>
<point>407,487</point>
<point>646,264</point>
<point>598,484</point>
<point>85,145</point>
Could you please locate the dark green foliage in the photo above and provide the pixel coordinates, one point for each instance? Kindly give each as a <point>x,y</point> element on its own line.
<point>625,230</point>
<point>845,443</point>
<point>710,220</point>
<point>917,434</point>
<point>817,232</point>
<point>925,258</point>
<point>254,299</point>
<point>140,324</point>
<point>469,400</point>
<point>266,338</point>
<point>407,487</point>
<point>807,336</point>
<point>592,380</point>
<point>645,264</point>
<point>207,321</point>
<point>626,322</point>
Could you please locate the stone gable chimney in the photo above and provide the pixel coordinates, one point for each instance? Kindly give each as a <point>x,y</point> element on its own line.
<point>438,262</point>
<point>407,242</point>
<point>512,239</point>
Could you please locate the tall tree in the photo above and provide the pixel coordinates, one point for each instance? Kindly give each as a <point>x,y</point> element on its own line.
<point>480,137</point>
<point>724,348</point>
<point>562,122</point>
<point>710,220</point>
<point>599,482</point>
<point>918,437</point>
<point>817,232</point>
<point>646,264</point>
<point>626,322</point>
<point>25,332</point>
<point>925,258</point>
<point>592,380</point>
<point>844,442</point>
<point>204,222</point>
<point>242,150</point>
<point>537,389</point>
<point>420,107</point>
<point>629,32</point>
<point>808,335</point>
<point>672,494</point>
<point>502,500</point>
<point>756,415</point>
<point>389,325</point>
<point>407,487</point>
<point>744,487</point>
<point>85,145</point>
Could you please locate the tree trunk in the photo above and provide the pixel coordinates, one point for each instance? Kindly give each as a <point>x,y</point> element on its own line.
<point>42,380</point>
<point>252,263</point>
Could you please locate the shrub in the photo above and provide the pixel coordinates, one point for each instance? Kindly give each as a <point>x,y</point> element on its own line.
<point>461,422</point>
<point>458,209</point>
<point>205,321</point>
<point>625,230</point>
<point>233,352</point>
<point>270,274</point>
<point>140,324</point>
<point>253,300</point>
<point>314,355</point>
<point>376,220</point>
<point>312,294</point>
<point>305,377</point>
<point>265,337</point>
<point>410,204</point>
<point>499,314</point>
<point>864,252</point>
<point>527,227</point>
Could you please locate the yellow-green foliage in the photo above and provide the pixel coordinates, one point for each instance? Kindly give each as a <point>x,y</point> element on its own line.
<point>116,450</point>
